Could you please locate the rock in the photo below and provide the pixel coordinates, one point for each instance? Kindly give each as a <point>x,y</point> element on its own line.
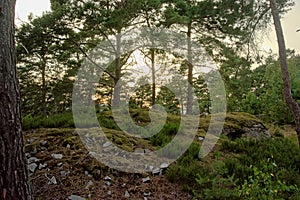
<point>201,138</point>
<point>89,184</point>
<point>64,173</point>
<point>127,194</point>
<point>146,180</point>
<point>32,160</point>
<point>123,185</point>
<point>106,144</point>
<point>57,156</point>
<point>147,194</point>
<point>156,171</point>
<point>44,143</point>
<point>107,178</point>
<point>68,146</point>
<point>75,197</point>
<point>32,167</point>
<point>52,180</point>
<point>145,198</point>
<point>59,164</point>
<point>108,183</point>
<point>164,166</point>
<point>41,166</point>
<point>109,192</point>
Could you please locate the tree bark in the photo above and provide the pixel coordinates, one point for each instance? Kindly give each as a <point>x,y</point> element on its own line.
<point>13,170</point>
<point>153,96</point>
<point>189,109</point>
<point>291,103</point>
<point>117,86</point>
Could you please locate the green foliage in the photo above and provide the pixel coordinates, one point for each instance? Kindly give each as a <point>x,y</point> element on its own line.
<point>53,121</point>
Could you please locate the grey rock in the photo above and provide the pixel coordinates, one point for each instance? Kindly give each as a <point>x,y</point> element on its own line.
<point>146,180</point>
<point>147,194</point>
<point>59,164</point>
<point>107,178</point>
<point>201,138</point>
<point>44,143</point>
<point>89,184</point>
<point>75,197</point>
<point>109,192</point>
<point>156,171</point>
<point>53,180</point>
<point>64,173</point>
<point>57,156</point>
<point>127,194</point>
<point>32,167</point>
<point>164,166</point>
<point>32,160</point>
<point>106,144</point>
<point>41,166</point>
<point>108,183</point>
<point>68,146</point>
<point>145,198</point>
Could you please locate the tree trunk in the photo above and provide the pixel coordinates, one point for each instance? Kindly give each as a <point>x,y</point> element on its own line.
<point>291,103</point>
<point>189,109</point>
<point>117,86</point>
<point>153,97</point>
<point>13,170</point>
<point>44,88</point>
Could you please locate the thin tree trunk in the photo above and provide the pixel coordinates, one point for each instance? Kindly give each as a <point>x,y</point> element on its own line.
<point>44,88</point>
<point>153,98</point>
<point>13,170</point>
<point>117,88</point>
<point>190,72</point>
<point>291,103</point>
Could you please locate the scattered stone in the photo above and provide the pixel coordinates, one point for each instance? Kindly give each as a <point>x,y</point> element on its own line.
<point>53,180</point>
<point>107,178</point>
<point>147,194</point>
<point>75,197</point>
<point>89,184</point>
<point>145,198</point>
<point>32,167</point>
<point>123,185</point>
<point>59,164</point>
<point>201,138</point>
<point>164,166</point>
<point>156,171</point>
<point>127,194</point>
<point>106,144</point>
<point>41,166</point>
<point>146,180</point>
<point>108,183</point>
<point>64,173</point>
<point>44,143</point>
<point>109,192</point>
<point>57,156</point>
<point>32,160</point>
<point>68,146</point>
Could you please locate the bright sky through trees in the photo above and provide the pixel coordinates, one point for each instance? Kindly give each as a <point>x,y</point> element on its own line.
<point>290,23</point>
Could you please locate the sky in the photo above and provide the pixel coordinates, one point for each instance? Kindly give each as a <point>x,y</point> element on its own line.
<point>290,23</point>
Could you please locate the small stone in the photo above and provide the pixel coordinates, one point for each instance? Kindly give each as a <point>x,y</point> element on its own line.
<point>147,194</point>
<point>44,143</point>
<point>107,178</point>
<point>201,138</point>
<point>68,146</point>
<point>123,185</point>
<point>64,173</point>
<point>108,183</point>
<point>156,171</point>
<point>127,194</point>
<point>109,192</point>
<point>32,160</point>
<point>59,164</point>
<point>89,184</point>
<point>32,167</point>
<point>106,144</point>
<point>53,180</point>
<point>75,197</point>
<point>57,156</point>
<point>164,166</point>
<point>145,198</point>
<point>41,166</point>
<point>146,180</point>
